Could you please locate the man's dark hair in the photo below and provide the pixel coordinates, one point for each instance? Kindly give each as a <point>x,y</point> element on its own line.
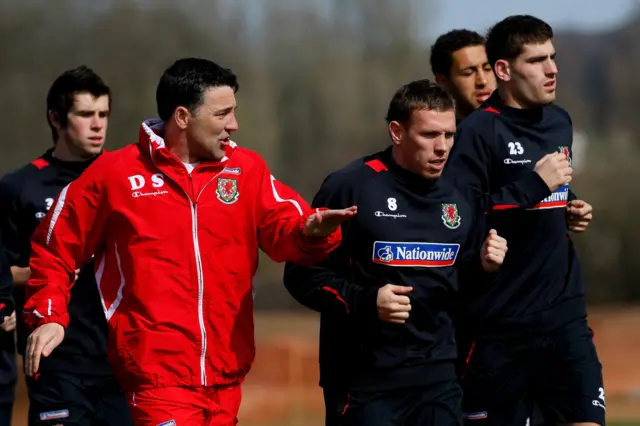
<point>63,90</point>
<point>506,39</point>
<point>185,82</point>
<point>447,44</point>
<point>418,95</point>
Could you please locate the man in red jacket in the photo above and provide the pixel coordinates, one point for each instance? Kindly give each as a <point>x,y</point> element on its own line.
<point>174,224</point>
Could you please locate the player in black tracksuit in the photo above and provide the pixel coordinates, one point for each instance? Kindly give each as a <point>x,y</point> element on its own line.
<point>8,375</point>
<point>75,384</point>
<point>76,377</point>
<point>530,329</point>
<point>459,62</point>
<point>411,230</point>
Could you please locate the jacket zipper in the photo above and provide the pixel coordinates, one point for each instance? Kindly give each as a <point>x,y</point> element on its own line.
<point>196,247</point>
<point>203,330</point>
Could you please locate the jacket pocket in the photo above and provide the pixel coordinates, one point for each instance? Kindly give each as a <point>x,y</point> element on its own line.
<point>163,357</point>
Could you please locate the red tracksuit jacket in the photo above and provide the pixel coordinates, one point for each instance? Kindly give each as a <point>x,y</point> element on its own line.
<point>175,254</point>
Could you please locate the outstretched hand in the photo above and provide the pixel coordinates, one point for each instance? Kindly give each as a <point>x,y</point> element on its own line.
<point>324,222</point>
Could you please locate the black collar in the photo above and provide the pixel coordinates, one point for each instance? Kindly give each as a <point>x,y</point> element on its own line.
<point>78,166</point>
<point>413,181</point>
<point>530,115</point>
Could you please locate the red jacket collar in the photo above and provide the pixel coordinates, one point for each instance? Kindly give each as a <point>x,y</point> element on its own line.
<point>150,140</point>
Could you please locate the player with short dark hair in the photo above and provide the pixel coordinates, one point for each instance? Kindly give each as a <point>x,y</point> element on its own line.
<point>387,351</point>
<point>531,337</point>
<point>76,384</point>
<point>459,63</point>
<point>175,222</point>
<point>62,98</point>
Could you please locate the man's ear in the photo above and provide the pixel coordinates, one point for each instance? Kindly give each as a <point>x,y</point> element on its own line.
<point>181,117</point>
<point>442,79</point>
<point>53,119</point>
<point>395,131</point>
<point>502,70</point>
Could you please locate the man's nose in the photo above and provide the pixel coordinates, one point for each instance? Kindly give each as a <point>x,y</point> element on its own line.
<point>481,78</point>
<point>232,125</point>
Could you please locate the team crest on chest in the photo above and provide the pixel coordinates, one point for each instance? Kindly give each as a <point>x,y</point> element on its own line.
<point>565,150</point>
<point>450,216</point>
<point>227,190</point>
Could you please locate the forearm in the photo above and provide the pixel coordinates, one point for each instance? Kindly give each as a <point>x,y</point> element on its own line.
<point>319,289</point>
<point>286,242</point>
<point>20,275</point>
<point>48,286</point>
<point>524,193</point>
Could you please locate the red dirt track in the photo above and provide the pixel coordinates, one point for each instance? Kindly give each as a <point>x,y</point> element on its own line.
<point>282,387</point>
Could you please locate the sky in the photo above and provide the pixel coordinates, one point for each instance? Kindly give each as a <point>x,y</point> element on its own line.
<point>440,16</point>
<point>586,15</point>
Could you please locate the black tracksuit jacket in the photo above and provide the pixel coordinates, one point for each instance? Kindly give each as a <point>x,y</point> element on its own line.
<point>409,231</point>
<point>539,287</point>
<point>25,196</point>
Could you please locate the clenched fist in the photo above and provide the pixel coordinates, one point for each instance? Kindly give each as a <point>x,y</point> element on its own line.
<point>9,323</point>
<point>393,305</point>
<point>579,215</point>
<point>554,170</point>
<point>493,252</point>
